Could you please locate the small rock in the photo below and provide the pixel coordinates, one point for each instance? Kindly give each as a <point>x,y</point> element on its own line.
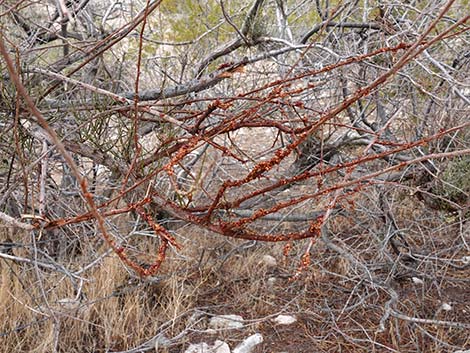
<point>271,281</point>
<point>249,343</point>
<point>198,348</point>
<point>269,261</point>
<point>466,261</point>
<point>221,347</point>
<point>285,319</point>
<point>417,280</point>
<point>467,351</point>
<point>226,322</point>
<point>446,307</point>
<point>217,347</point>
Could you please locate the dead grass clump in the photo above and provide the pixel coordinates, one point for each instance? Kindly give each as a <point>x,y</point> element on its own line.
<point>342,299</point>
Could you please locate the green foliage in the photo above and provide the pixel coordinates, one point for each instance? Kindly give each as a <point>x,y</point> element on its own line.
<point>456,180</point>
<point>304,20</point>
<point>189,19</point>
<point>453,187</point>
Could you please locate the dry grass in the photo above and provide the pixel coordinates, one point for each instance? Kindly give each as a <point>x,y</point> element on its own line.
<point>338,307</point>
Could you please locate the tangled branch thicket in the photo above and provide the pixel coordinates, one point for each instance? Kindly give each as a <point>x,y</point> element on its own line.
<point>136,130</point>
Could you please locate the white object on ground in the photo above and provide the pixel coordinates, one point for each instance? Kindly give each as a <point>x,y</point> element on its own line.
<point>198,348</point>
<point>218,347</point>
<point>221,347</point>
<point>248,344</point>
<point>446,307</point>
<point>285,319</point>
<point>226,322</point>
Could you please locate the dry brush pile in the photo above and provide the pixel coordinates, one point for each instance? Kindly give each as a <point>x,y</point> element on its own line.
<point>123,158</point>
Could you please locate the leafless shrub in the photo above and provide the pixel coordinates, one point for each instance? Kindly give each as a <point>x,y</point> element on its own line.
<point>337,129</point>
